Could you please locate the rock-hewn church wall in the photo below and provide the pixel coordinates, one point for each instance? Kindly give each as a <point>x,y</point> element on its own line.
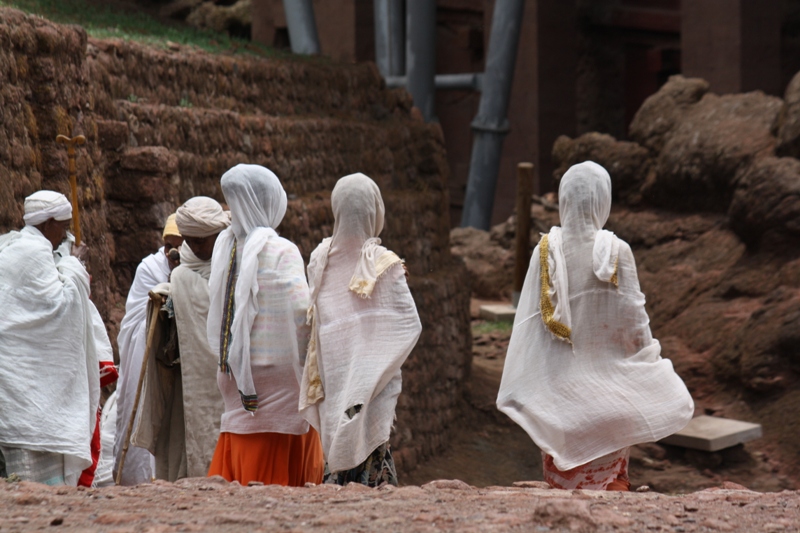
<point>163,125</point>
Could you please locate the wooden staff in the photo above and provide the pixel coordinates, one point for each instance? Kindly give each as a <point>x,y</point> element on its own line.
<point>523,243</point>
<point>156,301</point>
<point>73,181</point>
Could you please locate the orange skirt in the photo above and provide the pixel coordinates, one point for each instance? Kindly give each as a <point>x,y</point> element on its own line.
<point>271,458</point>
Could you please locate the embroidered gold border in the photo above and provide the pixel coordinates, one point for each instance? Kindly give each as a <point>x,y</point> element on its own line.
<point>614,279</point>
<point>558,329</point>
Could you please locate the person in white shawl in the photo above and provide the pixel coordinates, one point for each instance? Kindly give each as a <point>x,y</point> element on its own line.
<point>256,325</point>
<point>131,340</point>
<point>583,375</point>
<point>49,377</point>
<point>364,326</point>
<point>181,405</point>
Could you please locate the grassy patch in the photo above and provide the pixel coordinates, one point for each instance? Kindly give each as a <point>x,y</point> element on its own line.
<point>104,21</point>
<point>484,327</point>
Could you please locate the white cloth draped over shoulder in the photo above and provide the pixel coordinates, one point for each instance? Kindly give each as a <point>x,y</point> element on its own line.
<point>583,375</point>
<point>49,377</point>
<point>259,370</point>
<point>132,340</point>
<point>202,403</point>
<point>365,325</point>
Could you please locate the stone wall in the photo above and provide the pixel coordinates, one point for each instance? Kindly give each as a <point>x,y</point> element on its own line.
<point>163,125</point>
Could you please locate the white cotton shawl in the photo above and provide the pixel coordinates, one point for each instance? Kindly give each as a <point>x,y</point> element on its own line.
<point>132,340</point>
<point>258,203</point>
<point>609,388</point>
<point>365,326</point>
<point>49,379</point>
<point>202,403</point>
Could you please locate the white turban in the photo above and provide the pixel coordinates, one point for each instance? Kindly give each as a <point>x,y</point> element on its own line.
<point>201,216</point>
<point>43,205</point>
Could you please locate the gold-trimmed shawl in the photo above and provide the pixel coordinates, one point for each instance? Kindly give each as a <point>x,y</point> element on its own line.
<point>558,329</point>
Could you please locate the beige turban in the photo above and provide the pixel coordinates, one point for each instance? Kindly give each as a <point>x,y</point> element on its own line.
<point>201,216</point>
<point>170,227</point>
<point>44,205</point>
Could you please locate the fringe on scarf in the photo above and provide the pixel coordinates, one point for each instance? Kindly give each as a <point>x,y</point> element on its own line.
<point>364,287</point>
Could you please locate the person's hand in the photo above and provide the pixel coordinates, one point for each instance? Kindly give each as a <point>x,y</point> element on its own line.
<point>81,252</point>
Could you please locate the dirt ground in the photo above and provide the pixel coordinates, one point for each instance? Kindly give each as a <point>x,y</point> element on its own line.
<point>212,504</point>
<point>489,449</point>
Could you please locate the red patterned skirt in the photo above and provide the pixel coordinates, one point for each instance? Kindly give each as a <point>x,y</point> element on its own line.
<point>609,472</point>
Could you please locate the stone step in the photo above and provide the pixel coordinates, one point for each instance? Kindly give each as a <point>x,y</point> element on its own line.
<point>711,434</point>
<point>498,312</point>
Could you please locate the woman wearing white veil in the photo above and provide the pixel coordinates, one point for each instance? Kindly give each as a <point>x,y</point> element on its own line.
<point>364,325</point>
<point>256,323</point>
<point>583,375</point>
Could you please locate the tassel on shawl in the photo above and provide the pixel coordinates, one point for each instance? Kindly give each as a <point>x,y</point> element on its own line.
<point>314,392</point>
<point>363,287</point>
<point>561,331</point>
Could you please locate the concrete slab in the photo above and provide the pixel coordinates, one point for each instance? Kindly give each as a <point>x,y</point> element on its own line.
<point>498,313</point>
<point>711,433</point>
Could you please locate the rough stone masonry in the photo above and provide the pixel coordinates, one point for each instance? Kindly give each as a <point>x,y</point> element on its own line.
<point>163,125</point>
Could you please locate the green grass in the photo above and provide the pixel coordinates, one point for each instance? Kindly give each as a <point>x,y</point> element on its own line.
<point>102,21</point>
<point>481,328</point>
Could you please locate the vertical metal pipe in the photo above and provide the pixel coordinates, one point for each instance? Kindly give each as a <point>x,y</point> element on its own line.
<point>390,37</point>
<point>302,26</point>
<point>491,125</point>
<point>421,54</point>
<point>522,254</point>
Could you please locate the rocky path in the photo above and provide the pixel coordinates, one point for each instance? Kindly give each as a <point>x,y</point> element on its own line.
<point>211,504</point>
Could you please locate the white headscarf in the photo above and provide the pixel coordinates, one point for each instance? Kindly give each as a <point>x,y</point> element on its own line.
<point>200,217</point>
<point>44,205</point>
<point>358,213</point>
<point>608,388</point>
<point>362,329</point>
<point>584,203</point>
<point>258,203</point>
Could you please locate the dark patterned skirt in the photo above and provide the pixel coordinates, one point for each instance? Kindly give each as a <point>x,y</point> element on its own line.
<point>376,470</point>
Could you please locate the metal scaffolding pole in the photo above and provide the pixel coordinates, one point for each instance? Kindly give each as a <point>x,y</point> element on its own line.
<point>491,125</point>
<point>421,55</point>
<point>472,81</point>
<point>302,26</point>
<point>390,37</point>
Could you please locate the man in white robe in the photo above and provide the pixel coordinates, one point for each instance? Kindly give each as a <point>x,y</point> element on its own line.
<point>49,376</point>
<point>181,404</point>
<point>153,269</point>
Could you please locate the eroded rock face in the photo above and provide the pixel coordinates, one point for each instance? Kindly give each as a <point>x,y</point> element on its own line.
<point>766,203</point>
<point>788,123</point>
<point>660,112</point>
<point>708,145</point>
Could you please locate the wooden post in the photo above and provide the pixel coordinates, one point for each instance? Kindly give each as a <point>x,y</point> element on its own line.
<point>73,181</point>
<point>523,231</point>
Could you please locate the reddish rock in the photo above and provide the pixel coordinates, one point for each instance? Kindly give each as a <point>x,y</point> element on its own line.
<point>767,201</point>
<point>662,110</point>
<point>787,125</point>
<point>152,159</point>
<point>112,134</point>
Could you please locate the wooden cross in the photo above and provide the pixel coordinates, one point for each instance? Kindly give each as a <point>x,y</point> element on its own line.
<point>73,181</point>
